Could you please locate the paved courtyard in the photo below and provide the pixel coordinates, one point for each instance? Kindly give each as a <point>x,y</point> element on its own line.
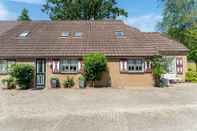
<point>154,109</point>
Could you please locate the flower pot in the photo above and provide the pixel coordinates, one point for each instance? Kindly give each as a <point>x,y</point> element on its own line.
<point>55,84</point>
<point>82,84</point>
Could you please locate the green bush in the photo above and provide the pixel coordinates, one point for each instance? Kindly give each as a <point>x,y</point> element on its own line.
<point>94,65</point>
<point>82,78</point>
<point>191,76</point>
<point>10,82</point>
<point>69,82</point>
<point>23,73</point>
<point>158,64</point>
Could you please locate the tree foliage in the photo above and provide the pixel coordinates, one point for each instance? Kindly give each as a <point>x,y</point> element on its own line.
<point>178,14</point>
<point>180,23</point>
<point>23,73</point>
<point>158,69</point>
<point>94,65</point>
<point>190,40</point>
<point>83,9</point>
<point>24,15</point>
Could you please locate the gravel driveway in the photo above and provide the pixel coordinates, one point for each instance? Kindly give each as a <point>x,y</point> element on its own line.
<point>154,109</point>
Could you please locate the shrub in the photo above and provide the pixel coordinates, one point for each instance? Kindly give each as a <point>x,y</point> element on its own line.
<point>94,65</point>
<point>55,83</point>
<point>10,82</point>
<point>23,73</point>
<point>158,70</point>
<point>82,81</point>
<point>69,82</point>
<point>82,78</point>
<point>191,76</point>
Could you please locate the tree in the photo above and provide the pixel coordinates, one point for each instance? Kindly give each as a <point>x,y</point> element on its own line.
<point>24,15</point>
<point>180,23</point>
<point>83,9</point>
<point>94,65</point>
<point>178,14</point>
<point>190,40</point>
<point>158,69</point>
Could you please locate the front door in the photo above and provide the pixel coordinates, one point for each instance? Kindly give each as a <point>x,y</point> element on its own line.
<point>40,73</point>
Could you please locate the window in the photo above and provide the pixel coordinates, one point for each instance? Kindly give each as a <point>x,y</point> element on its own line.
<point>78,34</point>
<point>65,34</point>
<point>119,34</point>
<point>136,65</point>
<point>24,34</point>
<point>170,64</point>
<point>5,66</point>
<point>69,66</point>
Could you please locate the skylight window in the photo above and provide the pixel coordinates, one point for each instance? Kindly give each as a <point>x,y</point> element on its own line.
<point>78,34</point>
<point>119,33</point>
<point>24,34</point>
<point>65,34</point>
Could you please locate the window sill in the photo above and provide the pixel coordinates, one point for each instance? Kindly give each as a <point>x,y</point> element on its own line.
<point>61,73</point>
<point>127,72</point>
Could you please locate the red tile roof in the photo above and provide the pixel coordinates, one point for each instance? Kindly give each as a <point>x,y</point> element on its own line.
<point>97,36</point>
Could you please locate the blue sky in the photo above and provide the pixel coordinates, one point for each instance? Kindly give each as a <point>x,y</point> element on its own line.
<point>143,14</point>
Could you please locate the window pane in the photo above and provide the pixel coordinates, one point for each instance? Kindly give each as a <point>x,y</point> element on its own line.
<point>135,65</point>
<point>139,62</point>
<point>131,62</point>
<point>171,64</point>
<point>3,66</point>
<point>24,34</point>
<point>65,34</point>
<point>119,33</point>
<point>69,66</point>
<point>78,34</point>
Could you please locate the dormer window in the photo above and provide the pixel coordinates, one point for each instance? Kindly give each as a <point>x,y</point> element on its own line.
<point>119,34</point>
<point>77,34</point>
<point>24,34</point>
<point>65,34</point>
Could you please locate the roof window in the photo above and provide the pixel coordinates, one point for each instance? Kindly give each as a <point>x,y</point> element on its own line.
<point>77,34</point>
<point>24,34</point>
<point>119,33</point>
<point>65,34</point>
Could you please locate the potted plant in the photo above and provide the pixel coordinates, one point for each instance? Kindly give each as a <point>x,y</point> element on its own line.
<point>158,71</point>
<point>55,82</point>
<point>9,82</point>
<point>82,81</point>
<point>69,82</point>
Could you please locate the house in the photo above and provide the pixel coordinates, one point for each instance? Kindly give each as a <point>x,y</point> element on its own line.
<point>56,49</point>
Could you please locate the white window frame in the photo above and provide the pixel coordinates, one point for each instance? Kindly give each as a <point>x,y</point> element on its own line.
<point>24,34</point>
<point>7,65</point>
<point>170,67</point>
<point>77,34</point>
<point>119,34</point>
<point>71,64</point>
<point>65,34</point>
<point>135,65</point>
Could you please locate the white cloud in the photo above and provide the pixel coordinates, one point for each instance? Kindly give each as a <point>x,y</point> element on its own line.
<point>5,14</point>
<point>30,1</point>
<point>146,23</point>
